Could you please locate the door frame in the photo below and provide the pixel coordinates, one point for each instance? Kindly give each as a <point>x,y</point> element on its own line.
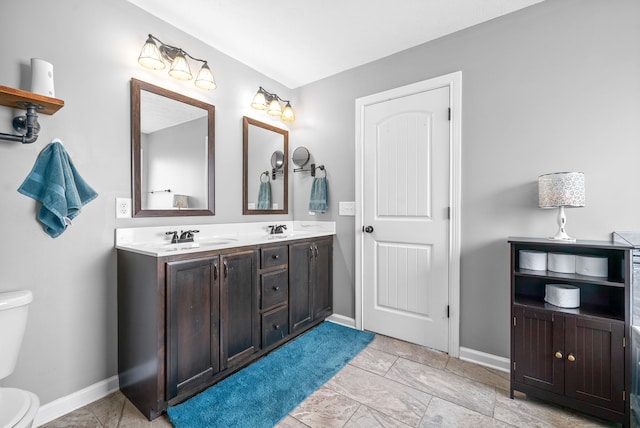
<point>454,82</point>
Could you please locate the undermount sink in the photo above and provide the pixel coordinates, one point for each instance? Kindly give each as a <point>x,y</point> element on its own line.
<point>288,235</point>
<point>215,242</point>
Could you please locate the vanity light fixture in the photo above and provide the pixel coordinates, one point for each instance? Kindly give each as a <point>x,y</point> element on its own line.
<point>264,100</point>
<point>155,57</point>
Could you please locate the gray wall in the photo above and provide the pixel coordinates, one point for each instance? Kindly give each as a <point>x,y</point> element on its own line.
<point>554,87</point>
<point>71,341</point>
<point>551,88</point>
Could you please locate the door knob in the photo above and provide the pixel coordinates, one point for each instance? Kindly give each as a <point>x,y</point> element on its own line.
<point>367,229</point>
<point>558,354</point>
<point>571,358</point>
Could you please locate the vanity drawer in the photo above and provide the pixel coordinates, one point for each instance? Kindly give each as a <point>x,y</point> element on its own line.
<point>275,326</point>
<point>274,288</point>
<point>274,256</point>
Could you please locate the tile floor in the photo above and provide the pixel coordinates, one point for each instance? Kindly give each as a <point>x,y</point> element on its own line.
<point>389,384</point>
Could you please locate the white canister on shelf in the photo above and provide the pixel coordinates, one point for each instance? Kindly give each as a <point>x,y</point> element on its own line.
<point>562,295</point>
<point>560,262</point>
<point>533,260</point>
<point>592,266</point>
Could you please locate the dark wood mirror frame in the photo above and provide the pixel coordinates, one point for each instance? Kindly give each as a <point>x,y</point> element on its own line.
<point>136,166</point>
<point>246,121</point>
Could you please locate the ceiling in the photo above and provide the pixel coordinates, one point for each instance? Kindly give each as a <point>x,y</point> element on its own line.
<point>296,42</point>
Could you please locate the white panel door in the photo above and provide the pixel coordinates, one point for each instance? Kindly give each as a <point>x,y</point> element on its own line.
<point>405,216</point>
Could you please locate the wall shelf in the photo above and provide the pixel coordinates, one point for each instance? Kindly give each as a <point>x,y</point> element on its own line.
<point>16,98</point>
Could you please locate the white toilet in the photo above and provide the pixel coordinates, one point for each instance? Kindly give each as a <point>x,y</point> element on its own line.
<point>18,408</point>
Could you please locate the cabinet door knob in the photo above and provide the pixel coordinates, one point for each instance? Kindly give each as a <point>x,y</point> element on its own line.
<point>276,288</point>
<point>571,358</point>
<point>275,257</point>
<point>276,326</point>
<point>558,354</point>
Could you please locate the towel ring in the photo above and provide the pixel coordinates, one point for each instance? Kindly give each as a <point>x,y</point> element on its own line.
<point>321,167</point>
<point>264,174</point>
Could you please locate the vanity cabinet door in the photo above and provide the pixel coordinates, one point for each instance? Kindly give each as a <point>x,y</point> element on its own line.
<point>193,354</point>
<point>240,321</point>
<point>310,282</point>
<point>322,278</point>
<point>300,303</point>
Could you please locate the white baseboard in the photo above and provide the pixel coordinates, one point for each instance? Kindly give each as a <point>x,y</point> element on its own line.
<point>71,402</point>
<point>342,320</point>
<point>484,359</point>
<point>471,355</point>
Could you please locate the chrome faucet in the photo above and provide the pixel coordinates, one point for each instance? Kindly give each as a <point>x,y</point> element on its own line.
<point>185,236</point>
<point>277,228</point>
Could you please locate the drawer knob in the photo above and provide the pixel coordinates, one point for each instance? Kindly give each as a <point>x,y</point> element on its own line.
<point>571,358</point>
<point>276,288</point>
<point>558,354</point>
<point>275,256</point>
<point>276,326</point>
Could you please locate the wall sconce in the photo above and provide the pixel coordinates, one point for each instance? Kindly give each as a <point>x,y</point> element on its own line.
<point>264,100</point>
<point>154,58</point>
<point>561,189</point>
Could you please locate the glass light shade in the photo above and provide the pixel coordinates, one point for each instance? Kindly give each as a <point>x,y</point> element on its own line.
<point>287,114</point>
<point>204,79</point>
<point>180,68</point>
<point>561,189</point>
<point>150,56</point>
<point>259,101</point>
<point>274,108</point>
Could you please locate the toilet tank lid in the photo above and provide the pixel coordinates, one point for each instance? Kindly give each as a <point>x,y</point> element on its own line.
<point>12,299</point>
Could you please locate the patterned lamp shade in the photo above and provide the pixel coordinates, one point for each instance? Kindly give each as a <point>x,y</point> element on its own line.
<point>561,189</point>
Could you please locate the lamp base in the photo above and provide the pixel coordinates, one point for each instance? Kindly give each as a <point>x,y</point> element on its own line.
<point>561,235</point>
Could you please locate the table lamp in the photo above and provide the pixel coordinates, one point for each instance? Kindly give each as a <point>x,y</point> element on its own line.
<point>559,190</point>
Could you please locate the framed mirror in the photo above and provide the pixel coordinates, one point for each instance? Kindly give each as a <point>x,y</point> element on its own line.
<point>172,153</point>
<point>265,179</point>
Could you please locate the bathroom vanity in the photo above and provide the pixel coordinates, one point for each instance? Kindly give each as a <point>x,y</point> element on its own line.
<point>191,314</point>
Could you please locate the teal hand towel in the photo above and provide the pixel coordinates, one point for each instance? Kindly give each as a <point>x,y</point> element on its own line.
<point>319,200</point>
<point>264,196</point>
<point>57,185</point>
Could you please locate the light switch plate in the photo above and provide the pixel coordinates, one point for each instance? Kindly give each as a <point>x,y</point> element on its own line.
<point>123,207</point>
<point>347,208</point>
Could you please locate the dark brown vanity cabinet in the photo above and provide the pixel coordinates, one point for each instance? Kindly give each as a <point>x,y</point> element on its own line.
<point>310,281</point>
<point>575,357</point>
<point>274,294</point>
<point>211,317</point>
<point>239,330</point>
<point>193,308</point>
<point>187,321</point>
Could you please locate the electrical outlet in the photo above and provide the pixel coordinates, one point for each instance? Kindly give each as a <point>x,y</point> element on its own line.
<point>123,207</point>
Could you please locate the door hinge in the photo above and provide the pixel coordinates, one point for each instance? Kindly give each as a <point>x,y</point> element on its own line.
<point>448,213</point>
<point>447,311</point>
<point>449,113</point>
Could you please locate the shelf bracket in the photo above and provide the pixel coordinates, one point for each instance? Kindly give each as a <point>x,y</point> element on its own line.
<point>27,125</point>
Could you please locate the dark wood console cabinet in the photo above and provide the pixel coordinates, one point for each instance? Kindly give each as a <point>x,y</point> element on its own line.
<point>578,357</point>
<point>187,321</point>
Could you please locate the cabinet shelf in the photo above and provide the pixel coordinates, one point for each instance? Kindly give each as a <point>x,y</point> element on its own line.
<point>586,310</point>
<point>16,98</point>
<point>572,277</point>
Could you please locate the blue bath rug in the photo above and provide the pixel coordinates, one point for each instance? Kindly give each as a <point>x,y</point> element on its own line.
<point>263,393</point>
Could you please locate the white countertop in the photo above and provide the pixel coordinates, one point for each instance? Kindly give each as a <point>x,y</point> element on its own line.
<point>154,241</point>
